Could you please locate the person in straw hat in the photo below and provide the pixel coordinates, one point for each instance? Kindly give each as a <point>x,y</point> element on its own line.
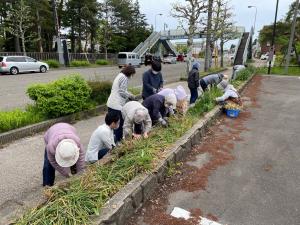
<point>63,152</point>
<point>137,121</point>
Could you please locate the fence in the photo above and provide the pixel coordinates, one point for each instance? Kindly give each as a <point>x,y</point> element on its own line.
<point>43,56</point>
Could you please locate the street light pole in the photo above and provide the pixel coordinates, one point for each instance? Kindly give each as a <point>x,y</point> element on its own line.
<point>57,31</point>
<point>252,6</point>
<point>159,14</point>
<point>288,57</point>
<point>271,54</point>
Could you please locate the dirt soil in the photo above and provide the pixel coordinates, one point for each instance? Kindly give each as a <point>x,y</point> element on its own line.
<point>218,142</point>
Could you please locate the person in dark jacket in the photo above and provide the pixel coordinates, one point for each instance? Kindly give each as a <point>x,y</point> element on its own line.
<point>152,80</point>
<point>158,107</point>
<point>212,79</point>
<point>193,82</point>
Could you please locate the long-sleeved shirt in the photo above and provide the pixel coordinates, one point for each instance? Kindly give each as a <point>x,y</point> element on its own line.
<point>102,138</point>
<point>128,112</point>
<point>212,79</point>
<point>193,79</point>
<point>156,106</point>
<point>229,92</point>
<point>53,136</point>
<point>119,94</point>
<point>151,83</point>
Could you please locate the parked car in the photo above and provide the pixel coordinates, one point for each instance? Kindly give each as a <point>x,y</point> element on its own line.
<point>180,58</point>
<point>264,56</point>
<point>128,58</point>
<point>170,59</point>
<point>20,64</point>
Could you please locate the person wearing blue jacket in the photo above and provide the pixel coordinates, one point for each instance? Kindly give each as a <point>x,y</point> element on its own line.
<point>152,80</point>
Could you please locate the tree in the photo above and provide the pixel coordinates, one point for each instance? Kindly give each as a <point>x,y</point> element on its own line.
<point>208,35</point>
<point>223,29</point>
<point>189,12</point>
<point>19,22</point>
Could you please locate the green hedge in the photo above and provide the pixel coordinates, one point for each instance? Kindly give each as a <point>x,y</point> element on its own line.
<point>102,62</point>
<point>19,118</point>
<point>62,97</point>
<point>79,63</point>
<point>100,91</point>
<point>52,63</point>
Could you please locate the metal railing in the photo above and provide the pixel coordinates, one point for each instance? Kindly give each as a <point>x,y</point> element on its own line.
<point>44,56</point>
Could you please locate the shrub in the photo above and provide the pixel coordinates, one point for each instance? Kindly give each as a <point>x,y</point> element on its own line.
<point>53,63</point>
<point>10,120</point>
<point>135,90</point>
<point>100,91</point>
<point>102,62</point>
<point>244,74</point>
<point>78,63</point>
<point>62,97</point>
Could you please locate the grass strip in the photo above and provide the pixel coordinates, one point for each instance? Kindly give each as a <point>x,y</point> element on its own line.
<point>84,196</point>
<point>293,71</point>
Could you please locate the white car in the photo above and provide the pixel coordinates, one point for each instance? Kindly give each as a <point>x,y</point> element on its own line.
<point>169,59</point>
<point>264,56</point>
<point>19,64</point>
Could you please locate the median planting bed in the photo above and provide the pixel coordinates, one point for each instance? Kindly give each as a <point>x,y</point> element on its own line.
<point>75,201</point>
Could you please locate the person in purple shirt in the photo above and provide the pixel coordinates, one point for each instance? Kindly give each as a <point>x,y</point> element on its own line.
<point>63,152</point>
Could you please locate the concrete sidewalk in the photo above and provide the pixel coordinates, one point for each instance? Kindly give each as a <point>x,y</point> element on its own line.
<point>246,170</point>
<point>21,167</point>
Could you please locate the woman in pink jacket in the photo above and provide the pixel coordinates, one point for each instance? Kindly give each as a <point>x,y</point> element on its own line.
<point>63,152</point>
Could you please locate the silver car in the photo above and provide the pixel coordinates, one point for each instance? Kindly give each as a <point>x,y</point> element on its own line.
<point>19,64</point>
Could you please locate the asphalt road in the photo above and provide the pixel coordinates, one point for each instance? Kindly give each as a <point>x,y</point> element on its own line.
<point>246,171</point>
<point>13,88</point>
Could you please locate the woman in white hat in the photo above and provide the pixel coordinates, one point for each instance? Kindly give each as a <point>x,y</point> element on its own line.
<point>230,94</point>
<point>63,152</point>
<point>181,97</point>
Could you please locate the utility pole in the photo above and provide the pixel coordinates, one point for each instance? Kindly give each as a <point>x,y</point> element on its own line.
<point>271,55</point>
<point>208,36</point>
<point>58,39</point>
<point>288,57</point>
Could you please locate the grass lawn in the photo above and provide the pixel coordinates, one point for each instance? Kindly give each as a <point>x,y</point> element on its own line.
<point>293,71</point>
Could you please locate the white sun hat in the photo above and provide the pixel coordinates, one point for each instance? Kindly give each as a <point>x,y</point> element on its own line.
<point>67,153</point>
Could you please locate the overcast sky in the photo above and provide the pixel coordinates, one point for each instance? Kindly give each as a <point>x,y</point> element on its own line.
<point>243,15</point>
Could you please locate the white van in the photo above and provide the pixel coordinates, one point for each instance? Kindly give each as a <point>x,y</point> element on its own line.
<point>128,58</point>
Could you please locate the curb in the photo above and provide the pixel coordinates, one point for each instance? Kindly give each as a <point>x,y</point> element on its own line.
<point>131,197</point>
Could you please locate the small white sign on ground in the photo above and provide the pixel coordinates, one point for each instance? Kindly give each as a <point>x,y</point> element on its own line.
<point>180,213</point>
<point>205,221</point>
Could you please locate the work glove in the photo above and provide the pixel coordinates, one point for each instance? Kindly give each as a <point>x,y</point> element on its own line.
<point>163,122</point>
